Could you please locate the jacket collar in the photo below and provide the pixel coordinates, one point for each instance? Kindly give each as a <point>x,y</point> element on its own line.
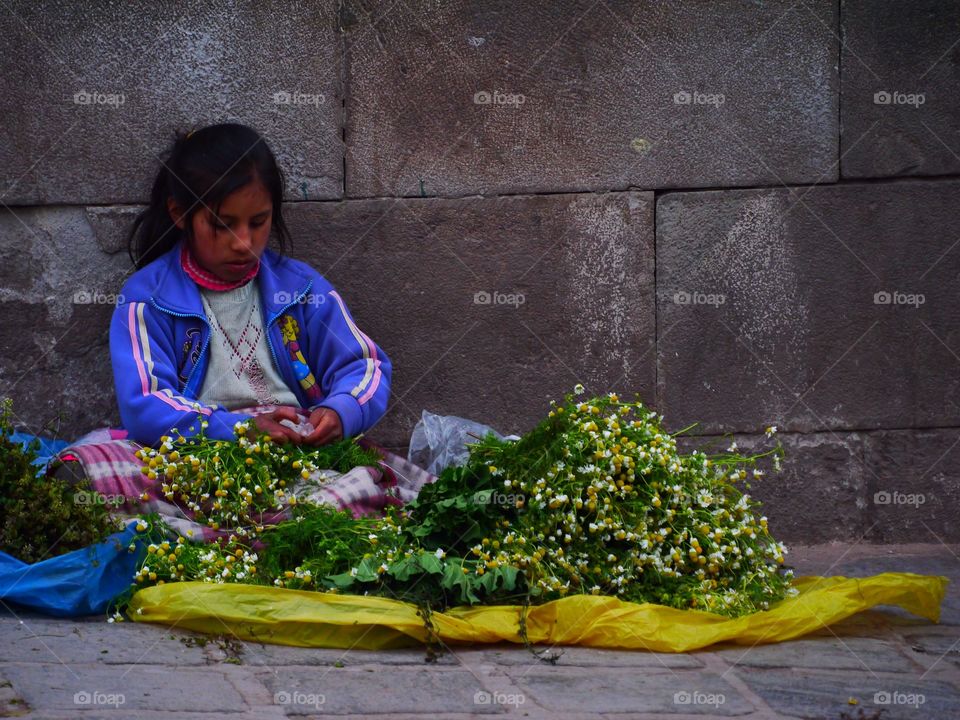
<point>281,282</point>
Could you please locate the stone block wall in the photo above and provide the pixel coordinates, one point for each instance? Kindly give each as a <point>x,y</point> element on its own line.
<point>745,212</point>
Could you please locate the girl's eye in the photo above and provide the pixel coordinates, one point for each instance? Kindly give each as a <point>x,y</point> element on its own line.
<point>259,224</point>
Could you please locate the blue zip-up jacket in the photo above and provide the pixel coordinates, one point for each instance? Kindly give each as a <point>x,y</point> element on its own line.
<point>159,337</point>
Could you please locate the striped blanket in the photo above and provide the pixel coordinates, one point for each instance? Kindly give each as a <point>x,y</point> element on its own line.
<point>108,460</point>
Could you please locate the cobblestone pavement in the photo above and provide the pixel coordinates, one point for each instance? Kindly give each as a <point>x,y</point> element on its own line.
<point>884,660</point>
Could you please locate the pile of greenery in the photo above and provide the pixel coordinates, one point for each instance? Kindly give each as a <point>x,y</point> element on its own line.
<point>43,517</point>
<point>596,499</point>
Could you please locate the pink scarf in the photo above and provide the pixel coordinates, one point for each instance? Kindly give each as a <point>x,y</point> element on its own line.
<point>208,280</point>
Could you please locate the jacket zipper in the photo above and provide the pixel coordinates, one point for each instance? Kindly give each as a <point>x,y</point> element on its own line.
<point>205,344</point>
<point>210,332</point>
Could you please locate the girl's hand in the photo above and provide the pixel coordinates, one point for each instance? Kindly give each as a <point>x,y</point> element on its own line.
<point>270,423</point>
<point>327,427</point>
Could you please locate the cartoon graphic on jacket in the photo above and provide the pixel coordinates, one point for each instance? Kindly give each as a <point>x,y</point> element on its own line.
<point>159,337</point>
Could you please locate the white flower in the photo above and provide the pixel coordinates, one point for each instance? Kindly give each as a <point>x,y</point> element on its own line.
<point>578,389</point>
<point>770,430</point>
<point>733,446</point>
<point>440,554</point>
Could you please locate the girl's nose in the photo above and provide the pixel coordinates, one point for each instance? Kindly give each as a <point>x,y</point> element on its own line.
<point>240,239</point>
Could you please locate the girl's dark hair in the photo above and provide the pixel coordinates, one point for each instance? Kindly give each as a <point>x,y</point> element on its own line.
<point>201,169</point>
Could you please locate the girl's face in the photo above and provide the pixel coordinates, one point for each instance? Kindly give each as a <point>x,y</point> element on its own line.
<point>228,245</point>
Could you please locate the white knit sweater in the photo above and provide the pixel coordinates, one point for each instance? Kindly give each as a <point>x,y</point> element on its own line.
<point>240,370</point>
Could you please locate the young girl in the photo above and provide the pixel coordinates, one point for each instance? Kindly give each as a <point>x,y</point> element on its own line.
<point>214,321</point>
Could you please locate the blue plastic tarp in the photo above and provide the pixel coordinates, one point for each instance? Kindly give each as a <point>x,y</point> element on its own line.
<point>82,582</point>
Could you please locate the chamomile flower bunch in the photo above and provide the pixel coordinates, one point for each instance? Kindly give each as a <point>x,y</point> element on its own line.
<point>233,484</point>
<point>598,499</point>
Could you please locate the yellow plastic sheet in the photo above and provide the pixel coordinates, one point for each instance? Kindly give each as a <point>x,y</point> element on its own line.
<point>312,619</point>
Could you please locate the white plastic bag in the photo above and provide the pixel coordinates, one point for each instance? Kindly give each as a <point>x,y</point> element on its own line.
<point>439,441</point>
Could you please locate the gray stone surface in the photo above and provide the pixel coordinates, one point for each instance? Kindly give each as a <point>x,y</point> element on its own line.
<point>58,294</point>
<point>913,485</point>
<point>823,695</point>
<point>598,82</point>
<point>662,693</point>
<point>852,653</point>
<point>800,340</point>
<point>819,494</point>
<point>411,273</point>
<point>156,70</point>
<point>899,48</point>
<point>76,688</point>
<point>208,678</point>
<point>341,691</point>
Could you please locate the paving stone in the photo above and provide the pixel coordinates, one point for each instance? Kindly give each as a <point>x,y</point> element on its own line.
<point>203,64</point>
<point>866,654</point>
<point>280,655</point>
<point>807,695</point>
<point>491,330</point>
<point>899,87</point>
<point>613,95</point>
<point>805,338</point>
<point>942,563</point>
<point>47,641</point>
<point>578,657</point>
<point>623,691</point>
<point>339,691</point>
<point>935,650</point>
<point>76,687</point>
